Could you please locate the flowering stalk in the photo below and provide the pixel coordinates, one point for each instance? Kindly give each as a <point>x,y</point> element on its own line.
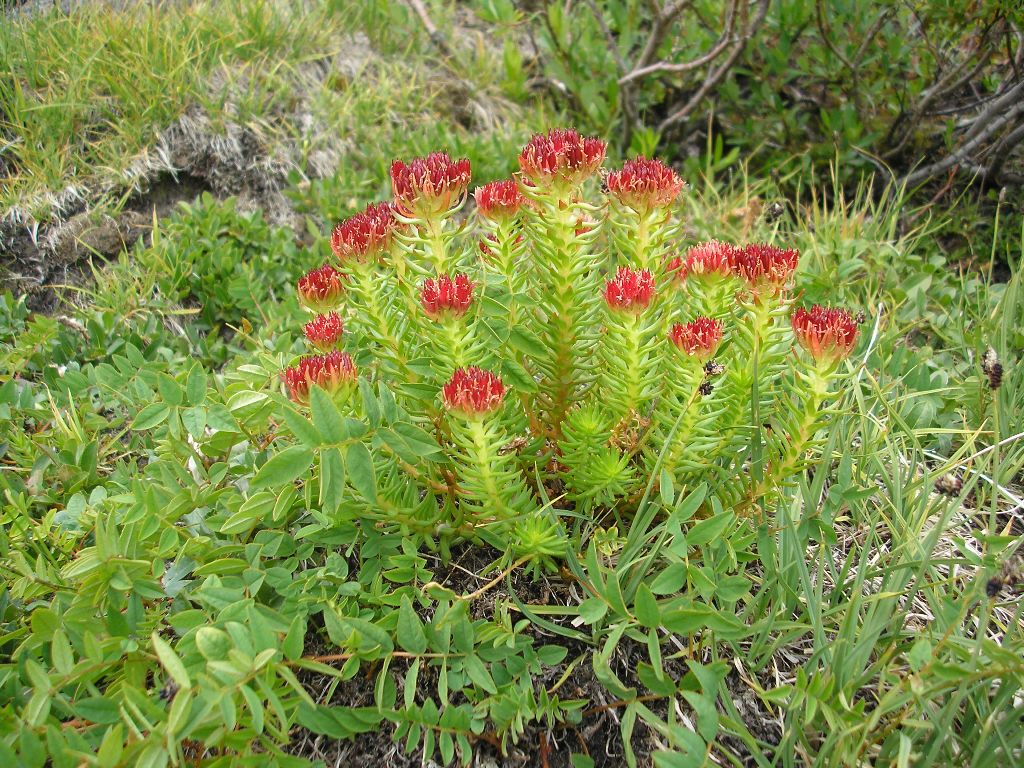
<point>706,273</point>
<point>761,340</point>
<point>640,215</point>
<point>683,420</point>
<point>364,244</point>
<point>491,487</point>
<point>446,301</point>
<point>321,289</point>
<point>828,335</point>
<point>628,379</point>
<point>333,372</point>
<point>324,332</point>
<point>428,191</point>
<point>499,206</point>
<point>554,165</point>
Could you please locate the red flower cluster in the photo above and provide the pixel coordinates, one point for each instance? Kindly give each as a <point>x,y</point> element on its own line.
<point>710,259</point>
<point>473,391</point>
<point>630,290</point>
<point>645,185</point>
<point>699,337</point>
<point>446,296</point>
<point>324,331</point>
<point>763,265</point>
<point>320,290</point>
<point>331,372</point>
<point>429,185</point>
<point>827,333</point>
<point>499,200</point>
<point>366,234</point>
<point>561,157</point>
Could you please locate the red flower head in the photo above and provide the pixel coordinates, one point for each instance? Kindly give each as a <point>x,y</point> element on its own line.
<point>699,337</point>
<point>826,332</point>
<point>561,157</point>
<point>630,290</point>
<point>324,331</point>
<point>429,185</point>
<point>763,265</point>
<point>473,392</point>
<point>365,235</point>
<point>644,185</point>
<point>708,260</point>
<point>333,372</point>
<point>320,290</point>
<point>446,296</point>
<point>499,200</point>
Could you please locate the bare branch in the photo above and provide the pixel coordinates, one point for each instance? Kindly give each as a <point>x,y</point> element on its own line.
<point>950,82</point>
<point>826,35</point>
<point>869,36</point>
<point>664,66</point>
<point>435,37</point>
<point>1002,151</point>
<point>662,25</point>
<point>989,128</point>
<point>609,38</point>
<point>1015,95</point>
<point>715,76</point>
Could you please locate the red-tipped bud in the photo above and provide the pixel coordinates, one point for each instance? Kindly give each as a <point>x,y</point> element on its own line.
<point>324,331</point>
<point>499,200</point>
<point>763,265</point>
<point>446,296</point>
<point>709,260</point>
<point>561,157</point>
<point>429,185</point>
<point>320,290</point>
<point>630,290</point>
<point>645,185</point>
<point>473,392</point>
<point>365,235</point>
<point>333,372</point>
<point>827,333</point>
<point>699,337</point>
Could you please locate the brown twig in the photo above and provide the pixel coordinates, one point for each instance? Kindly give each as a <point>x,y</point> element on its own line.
<point>715,76</point>
<point>662,24</point>
<point>1002,151</point>
<point>641,69</point>
<point>985,127</point>
<point>435,37</point>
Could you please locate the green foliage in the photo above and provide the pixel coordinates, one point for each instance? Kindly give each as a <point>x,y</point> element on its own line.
<point>227,262</point>
<point>194,572</point>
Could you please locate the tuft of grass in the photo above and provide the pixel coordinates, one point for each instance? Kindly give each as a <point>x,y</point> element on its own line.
<point>83,93</point>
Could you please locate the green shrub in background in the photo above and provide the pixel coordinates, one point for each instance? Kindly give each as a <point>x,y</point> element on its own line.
<point>922,92</point>
<point>225,262</point>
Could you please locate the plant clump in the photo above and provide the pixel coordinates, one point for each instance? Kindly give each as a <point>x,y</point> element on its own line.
<point>581,355</point>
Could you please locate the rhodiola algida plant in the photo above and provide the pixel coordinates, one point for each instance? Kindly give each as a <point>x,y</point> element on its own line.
<point>560,349</point>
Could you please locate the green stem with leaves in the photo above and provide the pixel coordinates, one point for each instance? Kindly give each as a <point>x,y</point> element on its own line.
<point>491,486</point>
